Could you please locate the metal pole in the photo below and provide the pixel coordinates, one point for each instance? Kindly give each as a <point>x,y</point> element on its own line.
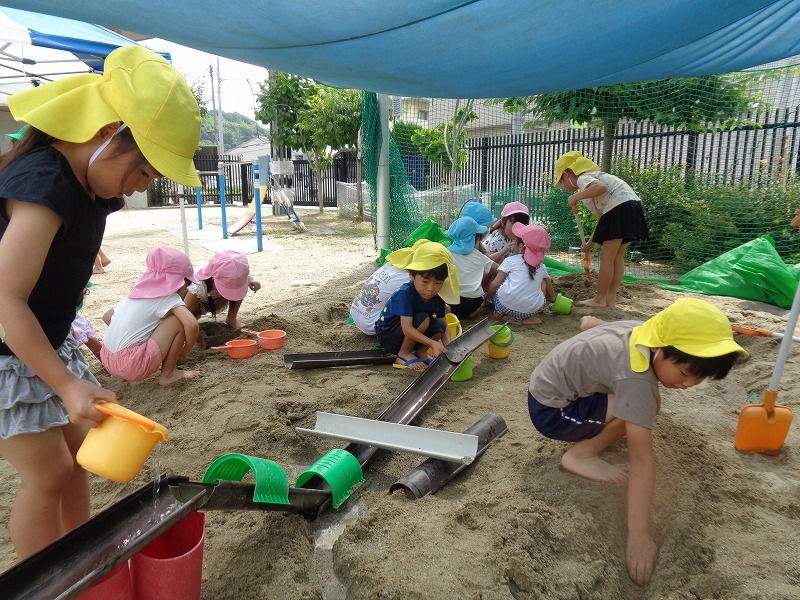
<point>220,136</point>
<point>198,195</point>
<point>257,200</point>
<point>183,225</point>
<point>383,225</point>
<point>221,183</point>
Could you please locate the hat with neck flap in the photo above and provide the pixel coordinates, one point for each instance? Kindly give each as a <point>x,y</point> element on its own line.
<point>575,162</point>
<point>428,256</point>
<point>693,326</point>
<point>139,88</point>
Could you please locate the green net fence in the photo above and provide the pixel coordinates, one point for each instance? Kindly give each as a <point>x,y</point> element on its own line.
<point>714,160</point>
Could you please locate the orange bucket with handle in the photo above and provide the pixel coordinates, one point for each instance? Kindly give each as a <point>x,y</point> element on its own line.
<point>117,448</point>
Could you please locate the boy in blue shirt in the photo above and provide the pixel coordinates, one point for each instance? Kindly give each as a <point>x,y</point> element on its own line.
<point>413,319</point>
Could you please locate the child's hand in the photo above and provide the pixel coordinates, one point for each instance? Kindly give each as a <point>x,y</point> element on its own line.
<point>79,397</point>
<point>572,201</point>
<point>642,556</point>
<point>254,286</point>
<point>587,246</point>
<point>438,348</point>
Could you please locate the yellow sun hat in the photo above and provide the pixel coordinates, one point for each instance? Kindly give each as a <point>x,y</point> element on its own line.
<point>139,88</point>
<point>400,258</point>
<point>429,255</point>
<point>691,325</point>
<point>575,162</point>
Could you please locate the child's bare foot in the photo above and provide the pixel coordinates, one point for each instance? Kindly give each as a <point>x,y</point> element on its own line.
<point>594,303</point>
<point>235,324</point>
<point>177,375</point>
<point>589,321</point>
<point>98,270</point>
<point>532,321</point>
<point>592,467</point>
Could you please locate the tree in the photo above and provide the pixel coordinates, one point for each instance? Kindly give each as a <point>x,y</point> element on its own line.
<point>330,123</point>
<point>236,130</point>
<point>315,119</point>
<point>693,103</point>
<point>446,144</point>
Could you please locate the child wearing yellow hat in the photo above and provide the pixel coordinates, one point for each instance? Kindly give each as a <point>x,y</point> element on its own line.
<point>603,384</point>
<point>619,214</point>
<point>413,318</point>
<point>91,140</point>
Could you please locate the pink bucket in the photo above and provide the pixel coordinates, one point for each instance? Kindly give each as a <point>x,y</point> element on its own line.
<point>171,566</point>
<point>116,585</point>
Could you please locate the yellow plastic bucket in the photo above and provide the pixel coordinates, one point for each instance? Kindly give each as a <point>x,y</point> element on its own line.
<point>500,343</point>
<point>117,448</point>
<point>453,325</point>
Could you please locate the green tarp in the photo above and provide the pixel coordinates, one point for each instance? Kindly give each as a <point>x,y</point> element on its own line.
<point>752,271</point>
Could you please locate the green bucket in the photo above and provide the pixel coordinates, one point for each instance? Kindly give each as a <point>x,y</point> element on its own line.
<point>464,370</point>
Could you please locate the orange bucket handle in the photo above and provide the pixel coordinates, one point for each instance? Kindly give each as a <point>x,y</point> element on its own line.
<point>112,409</point>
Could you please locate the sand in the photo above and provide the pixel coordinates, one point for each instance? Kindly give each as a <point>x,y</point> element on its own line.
<point>512,525</point>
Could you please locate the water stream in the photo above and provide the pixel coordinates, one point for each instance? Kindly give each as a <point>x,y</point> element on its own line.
<point>328,529</point>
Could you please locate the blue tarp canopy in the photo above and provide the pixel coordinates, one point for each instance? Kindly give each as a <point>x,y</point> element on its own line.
<point>465,48</point>
<point>36,48</point>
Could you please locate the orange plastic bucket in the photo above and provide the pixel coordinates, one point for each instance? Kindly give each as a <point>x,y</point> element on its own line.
<point>118,447</point>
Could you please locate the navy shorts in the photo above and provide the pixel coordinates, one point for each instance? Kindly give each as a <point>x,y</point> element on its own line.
<point>582,419</point>
<point>392,338</point>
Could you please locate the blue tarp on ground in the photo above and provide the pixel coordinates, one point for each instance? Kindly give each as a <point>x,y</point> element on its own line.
<point>464,48</point>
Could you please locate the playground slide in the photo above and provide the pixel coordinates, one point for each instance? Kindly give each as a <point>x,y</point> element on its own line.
<point>240,224</point>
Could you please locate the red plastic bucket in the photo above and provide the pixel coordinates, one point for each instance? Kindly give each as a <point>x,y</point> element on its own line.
<point>116,585</point>
<point>171,566</point>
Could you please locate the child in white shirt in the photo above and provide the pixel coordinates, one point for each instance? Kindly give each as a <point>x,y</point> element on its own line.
<point>522,287</point>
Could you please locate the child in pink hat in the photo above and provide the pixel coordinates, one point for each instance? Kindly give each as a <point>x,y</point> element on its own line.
<point>221,284</point>
<point>497,243</point>
<point>151,328</point>
<point>521,287</point>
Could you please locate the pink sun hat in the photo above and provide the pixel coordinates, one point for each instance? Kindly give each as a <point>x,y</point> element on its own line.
<point>167,270</point>
<point>536,242</point>
<point>512,208</point>
<point>230,271</point>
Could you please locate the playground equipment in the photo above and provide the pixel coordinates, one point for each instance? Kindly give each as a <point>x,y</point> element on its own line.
<point>83,556</point>
<point>347,358</point>
<point>433,474</point>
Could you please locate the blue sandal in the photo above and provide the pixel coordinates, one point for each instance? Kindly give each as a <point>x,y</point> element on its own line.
<point>408,362</point>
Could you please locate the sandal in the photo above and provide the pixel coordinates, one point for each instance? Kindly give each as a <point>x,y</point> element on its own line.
<point>406,364</point>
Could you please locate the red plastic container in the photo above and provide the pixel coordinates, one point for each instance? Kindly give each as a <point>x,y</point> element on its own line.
<point>117,585</point>
<point>171,566</point>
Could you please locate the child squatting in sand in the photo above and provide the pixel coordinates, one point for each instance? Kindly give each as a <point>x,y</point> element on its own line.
<point>602,385</point>
<point>413,319</point>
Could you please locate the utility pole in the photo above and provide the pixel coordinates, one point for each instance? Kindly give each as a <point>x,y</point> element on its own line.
<point>216,104</point>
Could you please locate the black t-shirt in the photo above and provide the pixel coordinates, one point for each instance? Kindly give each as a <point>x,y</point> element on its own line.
<point>44,177</point>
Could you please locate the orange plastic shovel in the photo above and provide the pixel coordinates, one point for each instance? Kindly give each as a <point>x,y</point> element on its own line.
<point>587,259</point>
<point>764,427</point>
<point>761,332</point>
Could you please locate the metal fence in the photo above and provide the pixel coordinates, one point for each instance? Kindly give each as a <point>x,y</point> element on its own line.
<point>756,153</point>
<point>238,182</point>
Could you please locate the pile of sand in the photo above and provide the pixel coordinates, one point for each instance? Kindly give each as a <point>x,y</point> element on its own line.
<point>512,525</point>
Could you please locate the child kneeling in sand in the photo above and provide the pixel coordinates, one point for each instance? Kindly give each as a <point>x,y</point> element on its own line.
<point>413,319</point>
<point>602,385</point>
<point>151,328</point>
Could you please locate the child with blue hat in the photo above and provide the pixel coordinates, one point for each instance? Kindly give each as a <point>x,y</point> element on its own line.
<point>473,265</point>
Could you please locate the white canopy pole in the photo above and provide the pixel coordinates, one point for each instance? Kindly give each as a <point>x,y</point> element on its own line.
<point>382,191</point>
